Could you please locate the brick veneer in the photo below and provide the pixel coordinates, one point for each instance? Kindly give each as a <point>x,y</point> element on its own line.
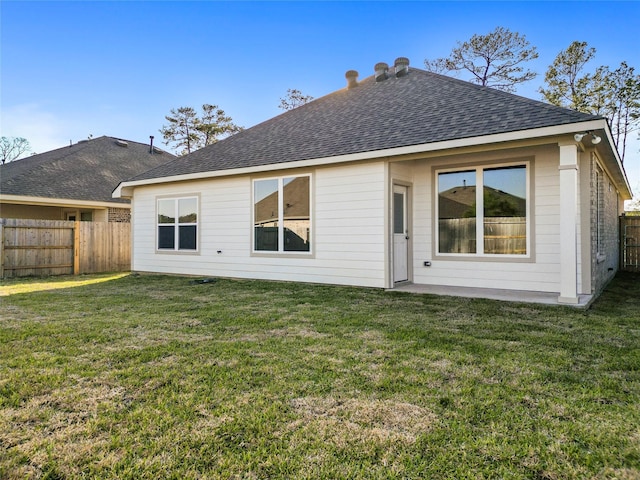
<point>604,263</point>
<point>122,215</point>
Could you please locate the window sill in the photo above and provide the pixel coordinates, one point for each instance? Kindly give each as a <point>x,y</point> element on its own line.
<point>178,252</point>
<point>461,257</point>
<point>266,254</point>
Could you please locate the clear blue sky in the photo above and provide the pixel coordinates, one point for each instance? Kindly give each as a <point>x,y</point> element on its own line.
<point>74,69</point>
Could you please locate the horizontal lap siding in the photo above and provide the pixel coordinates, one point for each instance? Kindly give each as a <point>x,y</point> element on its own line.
<point>349,221</point>
<point>348,237</point>
<point>541,273</point>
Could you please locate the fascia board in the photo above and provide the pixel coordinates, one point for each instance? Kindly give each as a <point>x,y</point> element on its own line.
<point>125,189</point>
<point>58,202</point>
<point>618,160</point>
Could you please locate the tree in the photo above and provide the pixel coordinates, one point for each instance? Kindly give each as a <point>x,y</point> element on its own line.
<point>495,60</point>
<point>294,99</point>
<point>214,124</point>
<point>612,94</point>
<point>567,87</point>
<point>623,105</point>
<point>12,147</point>
<point>189,131</point>
<point>181,129</point>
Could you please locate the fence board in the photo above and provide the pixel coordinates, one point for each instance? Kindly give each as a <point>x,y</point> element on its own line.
<point>630,243</point>
<point>501,235</point>
<point>104,247</point>
<point>55,247</point>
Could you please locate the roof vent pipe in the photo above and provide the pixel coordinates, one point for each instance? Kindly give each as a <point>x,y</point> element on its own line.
<point>352,78</point>
<point>381,70</point>
<point>401,66</point>
<point>151,144</point>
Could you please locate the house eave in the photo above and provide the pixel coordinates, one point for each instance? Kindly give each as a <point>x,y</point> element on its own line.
<point>125,189</point>
<point>58,202</point>
<point>614,157</point>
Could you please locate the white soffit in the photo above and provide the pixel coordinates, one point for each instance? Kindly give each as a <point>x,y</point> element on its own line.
<point>58,202</point>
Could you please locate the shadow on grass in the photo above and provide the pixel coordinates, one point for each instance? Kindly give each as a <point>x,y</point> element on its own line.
<point>622,294</point>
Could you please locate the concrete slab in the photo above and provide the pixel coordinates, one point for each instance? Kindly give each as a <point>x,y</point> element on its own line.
<point>547,298</point>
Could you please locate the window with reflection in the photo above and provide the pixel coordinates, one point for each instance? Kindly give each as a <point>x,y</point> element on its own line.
<point>457,212</point>
<point>505,210</point>
<point>282,214</point>
<point>177,223</point>
<point>266,201</point>
<point>483,211</point>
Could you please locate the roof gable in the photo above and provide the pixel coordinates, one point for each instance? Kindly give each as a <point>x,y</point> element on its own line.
<point>418,108</point>
<point>88,170</point>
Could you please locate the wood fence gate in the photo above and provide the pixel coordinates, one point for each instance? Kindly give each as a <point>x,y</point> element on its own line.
<point>56,247</point>
<point>630,244</point>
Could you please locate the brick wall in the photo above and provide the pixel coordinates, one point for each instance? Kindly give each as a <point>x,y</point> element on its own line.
<point>122,215</point>
<point>605,243</point>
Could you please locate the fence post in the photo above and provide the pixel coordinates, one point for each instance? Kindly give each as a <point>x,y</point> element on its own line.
<point>76,247</point>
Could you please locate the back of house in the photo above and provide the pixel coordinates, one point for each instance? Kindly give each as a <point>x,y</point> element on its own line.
<point>405,177</point>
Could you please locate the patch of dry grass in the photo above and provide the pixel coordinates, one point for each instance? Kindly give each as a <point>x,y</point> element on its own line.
<point>361,420</point>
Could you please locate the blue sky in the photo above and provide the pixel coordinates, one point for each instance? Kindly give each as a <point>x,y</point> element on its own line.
<point>74,69</point>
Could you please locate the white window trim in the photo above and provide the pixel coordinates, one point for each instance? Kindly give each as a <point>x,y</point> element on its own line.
<point>177,224</point>
<point>480,255</point>
<point>281,251</point>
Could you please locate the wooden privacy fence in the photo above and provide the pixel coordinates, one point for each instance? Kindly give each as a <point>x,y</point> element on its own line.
<point>56,247</point>
<point>502,235</point>
<point>630,243</point>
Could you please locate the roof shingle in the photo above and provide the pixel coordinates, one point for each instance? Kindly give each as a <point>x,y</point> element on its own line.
<point>88,170</point>
<point>419,108</point>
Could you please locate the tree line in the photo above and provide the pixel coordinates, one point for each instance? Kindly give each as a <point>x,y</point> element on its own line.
<point>495,60</point>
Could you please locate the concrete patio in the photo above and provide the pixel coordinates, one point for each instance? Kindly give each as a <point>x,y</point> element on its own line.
<point>547,298</point>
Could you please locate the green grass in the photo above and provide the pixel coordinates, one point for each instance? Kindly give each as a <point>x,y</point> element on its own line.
<point>147,377</point>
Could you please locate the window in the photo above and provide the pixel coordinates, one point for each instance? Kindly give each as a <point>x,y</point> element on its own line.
<point>86,216</point>
<point>281,214</point>
<point>599,210</point>
<point>178,223</point>
<point>483,211</point>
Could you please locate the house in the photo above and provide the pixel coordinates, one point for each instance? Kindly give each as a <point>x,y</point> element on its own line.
<point>405,177</point>
<point>75,182</point>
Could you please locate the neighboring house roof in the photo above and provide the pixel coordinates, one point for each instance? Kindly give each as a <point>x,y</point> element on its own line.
<point>418,108</point>
<point>295,196</point>
<point>88,170</point>
<point>458,201</point>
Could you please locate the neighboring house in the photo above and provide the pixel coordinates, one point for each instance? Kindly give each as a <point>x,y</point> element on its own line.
<point>75,182</point>
<point>406,176</point>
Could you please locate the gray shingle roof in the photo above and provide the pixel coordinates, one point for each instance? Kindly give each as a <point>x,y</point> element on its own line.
<point>419,108</point>
<point>87,170</point>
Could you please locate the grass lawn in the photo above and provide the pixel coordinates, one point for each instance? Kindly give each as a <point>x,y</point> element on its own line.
<point>149,377</point>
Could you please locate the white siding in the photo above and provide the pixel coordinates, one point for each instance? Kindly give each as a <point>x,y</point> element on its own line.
<point>539,273</point>
<point>347,238</point>
<point>350,227</point>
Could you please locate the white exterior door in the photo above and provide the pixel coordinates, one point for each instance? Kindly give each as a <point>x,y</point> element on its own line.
<point>400,234</point>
